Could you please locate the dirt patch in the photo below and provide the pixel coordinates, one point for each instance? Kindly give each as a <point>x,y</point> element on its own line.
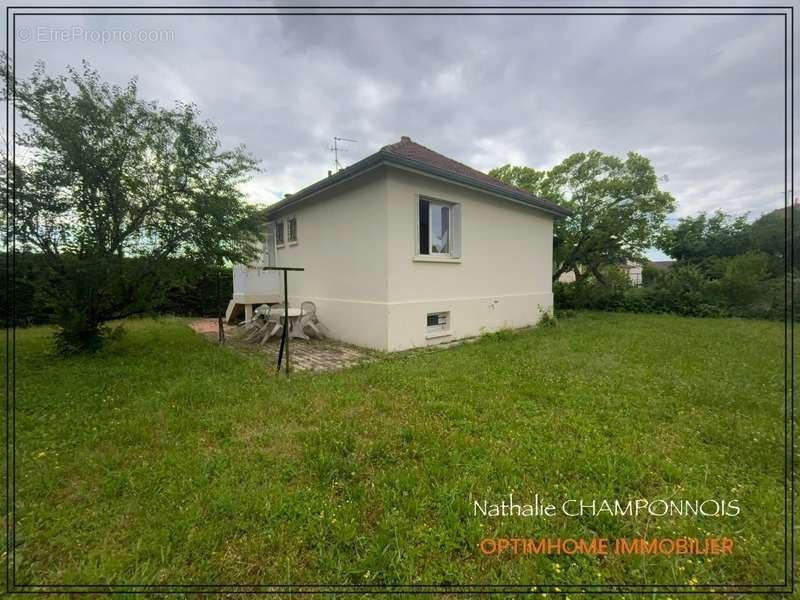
<point>211,327</point>
<point>305,355</point>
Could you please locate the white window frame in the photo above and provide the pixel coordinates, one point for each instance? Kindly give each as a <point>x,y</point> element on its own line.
<point>453,230</point>
<point>270,248</point>
<point>433,331</point>
<point>280,241</point>
<point>431,204</point>
<point>289,230</point>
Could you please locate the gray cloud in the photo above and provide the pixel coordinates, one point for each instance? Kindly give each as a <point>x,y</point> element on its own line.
<point>702,96</point>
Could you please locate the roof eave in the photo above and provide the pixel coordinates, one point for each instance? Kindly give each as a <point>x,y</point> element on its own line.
<point>365,164</point>
<point>383,157</point>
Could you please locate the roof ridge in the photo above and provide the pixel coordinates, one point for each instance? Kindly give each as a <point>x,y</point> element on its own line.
<point>401,142</point>
<point>404,141</point>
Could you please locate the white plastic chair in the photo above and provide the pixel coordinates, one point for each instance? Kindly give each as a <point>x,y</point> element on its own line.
<point>273,324</point>
<point>263,322</point>
<point>257,320</point>
<point>308,317</point>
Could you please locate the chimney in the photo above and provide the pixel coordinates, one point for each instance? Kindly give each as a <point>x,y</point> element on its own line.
<point>405,139</point>
<point>329,173</point>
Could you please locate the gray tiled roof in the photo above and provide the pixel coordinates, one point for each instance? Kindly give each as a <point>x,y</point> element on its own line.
<point>409,154</point>
<point>661,264</point>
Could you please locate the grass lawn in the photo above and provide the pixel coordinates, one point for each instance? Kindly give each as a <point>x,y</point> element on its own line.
<point>168,459</point>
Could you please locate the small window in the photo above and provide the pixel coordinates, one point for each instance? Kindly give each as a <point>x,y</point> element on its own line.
<point>439,228</point>
<point>438,321</point>
<point>293,229</point>
<point>279,233</point>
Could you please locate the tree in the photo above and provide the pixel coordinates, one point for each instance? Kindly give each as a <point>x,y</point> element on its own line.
<point>618,208</point>
<point>109,176</point>
<point>743,277</point>
<point>770,234</point>
<point>705,236</point>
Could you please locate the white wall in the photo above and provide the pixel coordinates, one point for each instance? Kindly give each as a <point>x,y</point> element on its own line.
<point>358,245</point>
<point>503,278</point>
<point>341,243</point>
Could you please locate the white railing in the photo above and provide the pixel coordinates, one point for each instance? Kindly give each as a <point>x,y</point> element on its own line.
<point>253,281</point>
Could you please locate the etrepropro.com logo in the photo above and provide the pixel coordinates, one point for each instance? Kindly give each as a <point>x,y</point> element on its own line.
<point>77,33</point>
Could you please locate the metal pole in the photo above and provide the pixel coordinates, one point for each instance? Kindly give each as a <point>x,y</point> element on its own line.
<point>221,329</point>
<point>285,333</point>
<point>280,350</point>
<point>286,315</point>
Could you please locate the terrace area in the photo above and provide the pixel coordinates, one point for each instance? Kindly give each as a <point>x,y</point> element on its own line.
<point>305,355</point>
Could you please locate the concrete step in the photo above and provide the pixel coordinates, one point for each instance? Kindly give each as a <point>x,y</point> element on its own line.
<point>233,311</point>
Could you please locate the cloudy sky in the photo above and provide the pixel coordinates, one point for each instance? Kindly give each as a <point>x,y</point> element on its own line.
<point>701,96</point>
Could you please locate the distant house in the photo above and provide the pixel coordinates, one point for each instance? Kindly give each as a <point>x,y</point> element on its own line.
<point>408,248</point>
<point>661,265</point>
<point>632,269</point>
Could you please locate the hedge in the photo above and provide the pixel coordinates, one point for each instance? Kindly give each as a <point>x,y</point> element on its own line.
<point>191,289</point>
<point>685,290</point>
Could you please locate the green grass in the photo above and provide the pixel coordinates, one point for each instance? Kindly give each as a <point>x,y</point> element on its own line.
<point>168,459</point>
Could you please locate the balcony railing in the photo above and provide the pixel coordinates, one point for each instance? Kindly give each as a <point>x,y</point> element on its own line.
<point>252,284</point>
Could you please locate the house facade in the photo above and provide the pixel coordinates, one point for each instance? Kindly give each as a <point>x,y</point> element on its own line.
<point>408,248</point>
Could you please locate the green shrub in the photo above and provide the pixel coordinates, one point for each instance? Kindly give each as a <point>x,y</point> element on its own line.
<point>589,293</point>
<point>547,320</point>
<point>739,286</point>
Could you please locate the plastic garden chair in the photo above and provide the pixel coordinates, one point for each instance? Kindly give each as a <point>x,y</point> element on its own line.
<point>273,324</point>
<point>308,317</point>
<point>257,320</point>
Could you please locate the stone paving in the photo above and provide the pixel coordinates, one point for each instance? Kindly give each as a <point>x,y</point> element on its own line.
<point>304,355</point>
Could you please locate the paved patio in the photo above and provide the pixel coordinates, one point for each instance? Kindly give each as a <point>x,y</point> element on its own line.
<point>305,355</point>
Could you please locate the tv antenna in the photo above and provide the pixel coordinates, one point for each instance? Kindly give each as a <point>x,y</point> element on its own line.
<point>336,149</point>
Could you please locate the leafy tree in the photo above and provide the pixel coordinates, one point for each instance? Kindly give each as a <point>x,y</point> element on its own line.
<point>705,236</point>
<point>743,277</point>
<point>618,208</point>
<point>770,233</point>
<point>108,176</point>
<point>533,180</point>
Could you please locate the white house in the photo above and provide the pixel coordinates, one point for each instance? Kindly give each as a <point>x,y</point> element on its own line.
<point>632,269</point>
<point>408,248</point>
<point>634,272</point>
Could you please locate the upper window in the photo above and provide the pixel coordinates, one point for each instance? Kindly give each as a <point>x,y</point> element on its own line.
<point>293,229</point>
<point>438,228</point>
<point>279,233</point>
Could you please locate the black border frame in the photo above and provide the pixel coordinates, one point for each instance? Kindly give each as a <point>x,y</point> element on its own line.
<point>786,587</point>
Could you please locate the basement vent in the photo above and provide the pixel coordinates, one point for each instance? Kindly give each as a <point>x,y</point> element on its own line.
<point>438,321</point>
